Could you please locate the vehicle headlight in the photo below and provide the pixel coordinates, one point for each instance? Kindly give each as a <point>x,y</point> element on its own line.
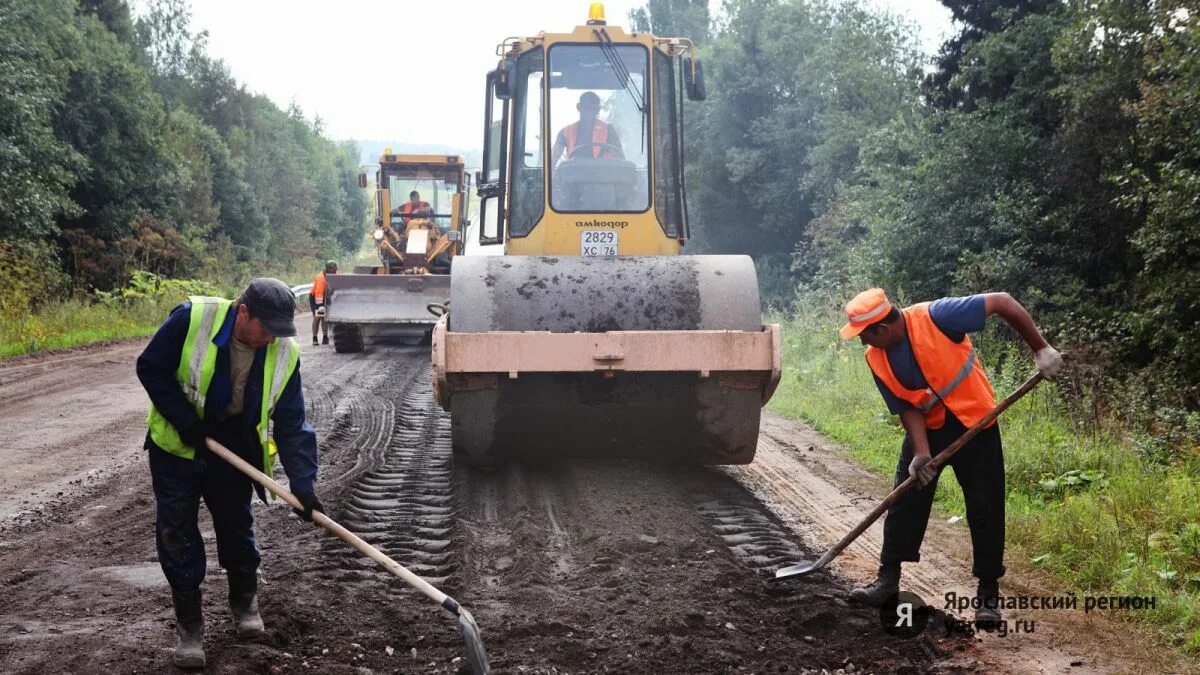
<point>379,234</point>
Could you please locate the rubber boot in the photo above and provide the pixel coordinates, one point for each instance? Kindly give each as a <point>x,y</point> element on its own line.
<point>189,624</point>
<point>987,615</point>
<point>243,603</point>
<point>877,592</point>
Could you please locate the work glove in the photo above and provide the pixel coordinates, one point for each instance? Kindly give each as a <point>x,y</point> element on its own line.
<point>311,503</point>
<point>919,468</point>
<point>1048,361</point>
<point>194,436</point>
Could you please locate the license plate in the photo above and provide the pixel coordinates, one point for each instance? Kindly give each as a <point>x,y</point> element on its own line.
<point>598,242</point>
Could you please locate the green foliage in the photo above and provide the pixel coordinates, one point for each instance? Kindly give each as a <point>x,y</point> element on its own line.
<point>58,322</point>
<point>794,87</point>
<point>1164,183</point>
<point>36,165</point>
<point>673,18</point>
<point>1052,154</point>
<point>145,286</point>
<point>136,150</point>
<point>30,276</point>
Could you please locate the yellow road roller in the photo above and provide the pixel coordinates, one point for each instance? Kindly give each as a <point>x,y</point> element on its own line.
<point>591,336</point>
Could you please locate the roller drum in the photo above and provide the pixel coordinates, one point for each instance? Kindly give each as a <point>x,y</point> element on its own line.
<point>675,416</point>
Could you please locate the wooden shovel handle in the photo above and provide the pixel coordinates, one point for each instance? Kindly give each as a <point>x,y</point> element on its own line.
<point>942,457</point>
<point>329,524</point>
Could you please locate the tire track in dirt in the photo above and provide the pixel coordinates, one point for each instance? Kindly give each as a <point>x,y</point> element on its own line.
<point>402,501</point>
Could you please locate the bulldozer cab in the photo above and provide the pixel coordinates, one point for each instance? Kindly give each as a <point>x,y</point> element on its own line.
<point>583,142</point>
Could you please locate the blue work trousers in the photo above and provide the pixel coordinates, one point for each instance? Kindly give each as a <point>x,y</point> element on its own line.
<point>179,485</point>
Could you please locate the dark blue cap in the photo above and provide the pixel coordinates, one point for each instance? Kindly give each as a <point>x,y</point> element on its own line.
<point>272,302</point>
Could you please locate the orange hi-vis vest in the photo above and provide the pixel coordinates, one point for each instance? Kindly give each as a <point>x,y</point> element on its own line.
<point>952,370</point>
<point>318,289</point>
<point>599,135</point>
<point>409,207</point>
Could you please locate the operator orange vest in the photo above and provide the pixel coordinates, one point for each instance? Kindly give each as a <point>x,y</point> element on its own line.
<point>599,135</point>
<point>408,207</point>
<point>318,289</point>
<point>952,370</point>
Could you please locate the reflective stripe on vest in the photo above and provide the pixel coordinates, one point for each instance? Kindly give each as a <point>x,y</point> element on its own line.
<point>945,391</point>
<point>196,366</point>
<point>950,369</point>
<point>277,370</point>
<point>195,385</point>
<point>599,135</point>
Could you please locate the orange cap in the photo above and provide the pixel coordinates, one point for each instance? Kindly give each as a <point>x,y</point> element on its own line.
<point>865,309</point>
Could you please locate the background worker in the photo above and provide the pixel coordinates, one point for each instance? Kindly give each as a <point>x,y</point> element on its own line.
<point>414,206</point>
<point>929,374</point>
<point>317,298</point>
<point>222,370</point>
<point>597,138</point>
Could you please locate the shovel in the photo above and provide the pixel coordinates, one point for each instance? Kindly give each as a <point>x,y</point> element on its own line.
<point>466,623</point>
<point>944,456</point>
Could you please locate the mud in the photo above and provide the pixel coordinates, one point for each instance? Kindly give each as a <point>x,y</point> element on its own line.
<point>582,566</point>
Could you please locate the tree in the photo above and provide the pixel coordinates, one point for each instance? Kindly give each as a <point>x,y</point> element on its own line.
<point>1164,183</point>
<point>37,168</point>
<point>794,88</point>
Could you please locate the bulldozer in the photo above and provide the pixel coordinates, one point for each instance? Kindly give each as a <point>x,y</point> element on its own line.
<point>420,216</point>
<point>591,336</point>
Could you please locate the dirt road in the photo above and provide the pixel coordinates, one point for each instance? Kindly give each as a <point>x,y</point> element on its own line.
<point>591,566</point>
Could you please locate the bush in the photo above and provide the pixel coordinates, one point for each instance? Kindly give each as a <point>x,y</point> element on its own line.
<point>31,275</point>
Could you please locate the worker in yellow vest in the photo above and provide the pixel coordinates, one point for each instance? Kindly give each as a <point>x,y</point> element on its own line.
<point>229,371</point>
<point>928,372</point>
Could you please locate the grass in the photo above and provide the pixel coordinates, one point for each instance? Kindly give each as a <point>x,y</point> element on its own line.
<point>132,312</point>
<point>76,322</point>
<point>1082,502</point>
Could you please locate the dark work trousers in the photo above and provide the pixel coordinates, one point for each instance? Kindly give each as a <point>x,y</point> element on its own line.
<point>180,483</point>
<point>979,468</point>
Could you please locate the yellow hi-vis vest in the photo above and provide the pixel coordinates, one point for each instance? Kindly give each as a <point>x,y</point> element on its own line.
<point>196,365</point>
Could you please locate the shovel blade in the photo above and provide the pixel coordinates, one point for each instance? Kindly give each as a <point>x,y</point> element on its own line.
<point>476,656</point>
<point>795,570</point>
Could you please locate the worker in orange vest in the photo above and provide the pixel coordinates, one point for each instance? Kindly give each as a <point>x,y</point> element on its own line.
<point>589,137</point>
<point>414,206</point>
<point>929,373</point>
<point>317,298</point>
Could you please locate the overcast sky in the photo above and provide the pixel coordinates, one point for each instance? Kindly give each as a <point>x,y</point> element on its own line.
<point>406,71</point>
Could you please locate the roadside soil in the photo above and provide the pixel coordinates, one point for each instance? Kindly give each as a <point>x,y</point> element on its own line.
<point>594,566</point>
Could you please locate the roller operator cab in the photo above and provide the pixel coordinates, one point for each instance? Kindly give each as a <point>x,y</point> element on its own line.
<point>420,216</point>
<point>591,335</point>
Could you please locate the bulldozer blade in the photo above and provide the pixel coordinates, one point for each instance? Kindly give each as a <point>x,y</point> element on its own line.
<point>396,299</point>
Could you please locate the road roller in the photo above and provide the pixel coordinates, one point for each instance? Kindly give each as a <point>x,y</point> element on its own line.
<point>591,335</point>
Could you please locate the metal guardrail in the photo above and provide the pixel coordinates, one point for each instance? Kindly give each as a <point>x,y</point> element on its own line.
<point>301,291</point>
